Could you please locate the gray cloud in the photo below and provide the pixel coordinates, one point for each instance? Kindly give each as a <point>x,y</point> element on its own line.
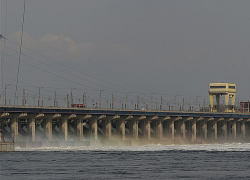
<point>144,46</point>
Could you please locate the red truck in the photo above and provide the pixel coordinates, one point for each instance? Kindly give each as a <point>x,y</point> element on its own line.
<point>77,105</point>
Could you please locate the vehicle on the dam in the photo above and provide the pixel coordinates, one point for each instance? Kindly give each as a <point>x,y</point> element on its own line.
<point>78,106</point>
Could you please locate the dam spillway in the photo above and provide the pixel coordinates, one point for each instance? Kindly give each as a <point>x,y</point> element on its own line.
<point>52,126</point>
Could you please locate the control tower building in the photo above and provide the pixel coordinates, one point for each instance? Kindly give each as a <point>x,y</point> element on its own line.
<point>219,89</point>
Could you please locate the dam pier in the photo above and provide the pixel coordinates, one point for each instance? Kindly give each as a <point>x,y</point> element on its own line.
<point>43,126</point>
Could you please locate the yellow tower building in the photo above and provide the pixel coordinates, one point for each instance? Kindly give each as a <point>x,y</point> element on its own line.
<point>219,89</point>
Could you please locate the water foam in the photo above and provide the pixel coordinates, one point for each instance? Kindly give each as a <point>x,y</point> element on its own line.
<point>150,147</point>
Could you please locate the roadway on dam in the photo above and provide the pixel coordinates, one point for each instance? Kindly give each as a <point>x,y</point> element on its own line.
<point>121,112</point>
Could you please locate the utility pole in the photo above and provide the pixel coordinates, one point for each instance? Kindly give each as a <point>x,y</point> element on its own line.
<point>39,95</point>
<point>183,104</point>
<point>26,98</point>
<point>161,104</point>
<point>71,97</point>
<point>126,106</point>
<point>67,100</point>
<point>196,102</point>
<point>138,101</point>
<point>34,99</point>
<point>151,101</point>
<point>175,102</point>
<point>23,97</point>
<point>204,104</point>
<point>5,96</point>
<point>85,99</point>
<point>55,100</point>
<point>112,101</point>
<point>100,101</point>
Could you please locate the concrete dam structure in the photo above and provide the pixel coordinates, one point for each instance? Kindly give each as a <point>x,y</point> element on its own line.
<point>43,126</point>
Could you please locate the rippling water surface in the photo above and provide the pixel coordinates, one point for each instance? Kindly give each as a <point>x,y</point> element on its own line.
<point>227,161</point>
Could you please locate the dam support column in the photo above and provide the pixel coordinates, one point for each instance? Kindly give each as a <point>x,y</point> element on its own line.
<point>193,130</point>
<point>93,129</point>
<point>189,130</point>
<point>199,133</point>
<point>31,126</point>
<point>14,129</point>
<point>159,129</point>
<point>204,129</point>
<point>135,129</point>
<point>243,130</point>
<point>234,129</point>
<point>107,126</point>
<point>14,125</point>
<point>220,127</point>
<point>32,129</point>
<point>171,128</point>
<point>79,126</point>
<point>183,129</point>
<point>135,122</point>
<point>224,129</point>
<point>93,126</point>
<point>63,128</point>
<point>49,128</point>
<point>1,127</point>
<point>188,127</point>
<point>2,118</point>
<point>215,130</point>
<point>148,127</point>
<point>48,125</point>
<point>230,133</point>
<point>134,126</point>
<point>210,129</point>
<point>165,127</point>
<point>120,128</point>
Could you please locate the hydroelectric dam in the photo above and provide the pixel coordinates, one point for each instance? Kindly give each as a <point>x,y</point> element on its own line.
<point>54,126</point>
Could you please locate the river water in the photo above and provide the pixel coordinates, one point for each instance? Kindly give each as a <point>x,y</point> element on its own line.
<point>217,161</point>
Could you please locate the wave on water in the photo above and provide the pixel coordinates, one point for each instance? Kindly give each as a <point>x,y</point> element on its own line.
<point>152,147</point>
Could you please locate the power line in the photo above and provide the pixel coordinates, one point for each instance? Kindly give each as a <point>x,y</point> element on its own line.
<point>19,58</point>
<point>2,54</point>
<point>78,71</point>
<point>65,66</point>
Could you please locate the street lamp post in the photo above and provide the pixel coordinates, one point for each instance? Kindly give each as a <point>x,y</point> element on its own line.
<point>126,105</point>
<point>100,103</point>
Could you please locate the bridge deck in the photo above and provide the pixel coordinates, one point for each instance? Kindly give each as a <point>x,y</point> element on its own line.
<point>121,112</point>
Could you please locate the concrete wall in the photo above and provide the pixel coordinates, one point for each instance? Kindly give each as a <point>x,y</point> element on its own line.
<point>7,147</point>
<point>56,129</point>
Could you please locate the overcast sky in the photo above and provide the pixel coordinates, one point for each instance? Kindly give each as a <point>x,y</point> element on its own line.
<point>168,48</point>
